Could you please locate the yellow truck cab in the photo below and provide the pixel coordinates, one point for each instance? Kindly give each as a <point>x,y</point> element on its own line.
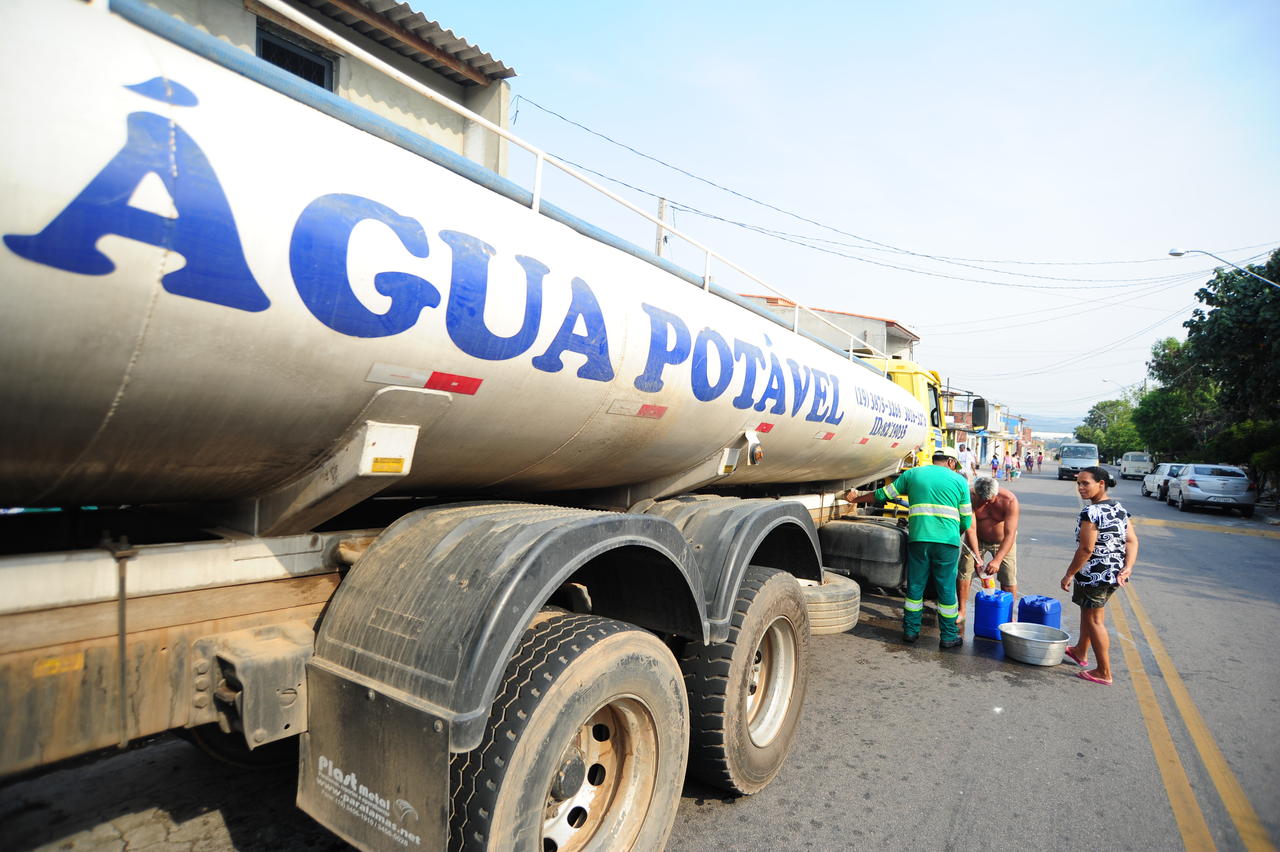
<point>925,386</point>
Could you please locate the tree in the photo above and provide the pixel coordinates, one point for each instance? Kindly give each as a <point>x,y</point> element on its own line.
<point>1120,439</point>
<point>1106,414</point>
<point>1173,365</point>
<point>1219,394</point>
<point>1236,342</point>
<point>1165,418</point>
<point>1109,424</point>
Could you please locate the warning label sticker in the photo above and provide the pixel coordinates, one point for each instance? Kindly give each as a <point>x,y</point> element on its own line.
<point>49,666</point>
<point>388,464</point>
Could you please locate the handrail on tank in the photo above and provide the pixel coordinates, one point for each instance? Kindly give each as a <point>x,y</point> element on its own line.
<point>542,157</point>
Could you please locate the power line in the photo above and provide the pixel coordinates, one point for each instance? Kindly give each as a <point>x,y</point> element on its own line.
<point>1102,283</point>
<point>789,237</point>
<point>1039,371</point>
<point>870,242</point>
<point>1064,311</point>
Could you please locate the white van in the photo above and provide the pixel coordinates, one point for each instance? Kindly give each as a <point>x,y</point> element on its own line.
<point>1073,458</point>
<point>1135,465</point>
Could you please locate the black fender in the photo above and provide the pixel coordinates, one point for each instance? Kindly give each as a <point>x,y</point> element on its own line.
<point>435,606</point>
<point>728,534</point>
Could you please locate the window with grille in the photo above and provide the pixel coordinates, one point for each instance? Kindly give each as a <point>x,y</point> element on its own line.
<point>309,64</point>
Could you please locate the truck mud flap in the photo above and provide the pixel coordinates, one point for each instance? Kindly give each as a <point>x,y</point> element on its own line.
<point>373,769</point>
<point>867,549</point>
<point>413,646</point>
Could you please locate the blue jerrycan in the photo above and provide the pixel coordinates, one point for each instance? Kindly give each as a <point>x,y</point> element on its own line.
<point>991,609</point>
<point>1040,609</point>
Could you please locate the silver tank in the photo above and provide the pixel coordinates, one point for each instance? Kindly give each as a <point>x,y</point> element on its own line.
<point>204,283</point>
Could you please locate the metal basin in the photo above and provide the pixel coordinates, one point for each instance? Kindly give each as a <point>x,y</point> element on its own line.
<point>1037,644</point>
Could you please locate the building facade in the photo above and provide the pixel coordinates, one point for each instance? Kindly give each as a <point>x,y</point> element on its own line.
<point>392,32</point>
<point>864,335</point>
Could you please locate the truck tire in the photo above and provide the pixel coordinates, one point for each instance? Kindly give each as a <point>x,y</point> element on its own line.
<point>834,605</point>
<point>746,693</point>
<point>586,745</point>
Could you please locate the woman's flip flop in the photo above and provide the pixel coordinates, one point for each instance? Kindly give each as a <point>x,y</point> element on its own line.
<point>1079,662</point>
<point>1092,679</point>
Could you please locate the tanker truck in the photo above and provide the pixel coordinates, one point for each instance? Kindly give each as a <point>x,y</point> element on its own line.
<point>316,433</point>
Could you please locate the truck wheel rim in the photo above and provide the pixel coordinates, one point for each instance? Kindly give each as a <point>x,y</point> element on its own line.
<point>773,677</point>
<point>618,750</point>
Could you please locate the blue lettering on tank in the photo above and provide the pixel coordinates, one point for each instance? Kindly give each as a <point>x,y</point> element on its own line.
<point>593,343</point>
<point>801,380</point>
<point>750,355</point>
<point>818,410</point>
<point>203,232</point>
<point>834,414</point>
<point>165,90</point>
<point>318,261</point>
<point>882,428</point>
<point>704,390</point>
<point>668,344</point>
<point>468,293</point>
<point>775,389</point>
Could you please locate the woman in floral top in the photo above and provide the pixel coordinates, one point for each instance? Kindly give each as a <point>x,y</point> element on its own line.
<point>1106,548</point>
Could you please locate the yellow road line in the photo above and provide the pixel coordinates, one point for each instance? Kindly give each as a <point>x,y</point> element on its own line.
<point>1252,833</point>
<point>1186,810</point>
<point>1185,525</point>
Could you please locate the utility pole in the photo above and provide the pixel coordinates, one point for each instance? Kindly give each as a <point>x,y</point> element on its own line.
<point>660,248</point>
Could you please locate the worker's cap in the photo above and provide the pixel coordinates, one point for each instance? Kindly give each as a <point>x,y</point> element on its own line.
<point>946,452</point>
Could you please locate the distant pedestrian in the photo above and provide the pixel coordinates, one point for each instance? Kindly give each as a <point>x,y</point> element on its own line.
<point>1030,462</point>
<point>995,467</point>
<point>1106,548</point>
<point>1039,461</point>
<point>968,462</point>
<point>1008,467</point>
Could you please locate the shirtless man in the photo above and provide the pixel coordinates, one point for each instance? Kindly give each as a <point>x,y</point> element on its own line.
<point>995,513</point>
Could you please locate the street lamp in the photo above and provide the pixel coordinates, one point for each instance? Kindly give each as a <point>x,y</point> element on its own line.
<point>1180,252</point>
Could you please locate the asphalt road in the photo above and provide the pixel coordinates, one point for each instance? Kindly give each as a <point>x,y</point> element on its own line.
<point>900,747</point>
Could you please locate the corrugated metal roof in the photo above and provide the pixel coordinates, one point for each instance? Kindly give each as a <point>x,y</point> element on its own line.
<point>407,32</point>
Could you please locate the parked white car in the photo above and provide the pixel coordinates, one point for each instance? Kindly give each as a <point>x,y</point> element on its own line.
<point>1156,483</point>
<point>1217,486</point>
<point>1135,465</point>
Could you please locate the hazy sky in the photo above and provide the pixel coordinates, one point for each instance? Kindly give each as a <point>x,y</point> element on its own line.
<point>1056,135</point>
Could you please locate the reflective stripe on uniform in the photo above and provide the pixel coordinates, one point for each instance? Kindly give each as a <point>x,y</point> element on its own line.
<point>913,606</point>
<point>935,510</point>
<point>952,611</point>
<point>889,491</point>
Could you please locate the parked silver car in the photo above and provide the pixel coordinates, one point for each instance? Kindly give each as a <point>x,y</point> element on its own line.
<point>1213,485</point>
<point>1156,483</point>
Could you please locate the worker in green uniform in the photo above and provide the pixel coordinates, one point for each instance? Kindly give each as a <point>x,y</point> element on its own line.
<point>940,517</point>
